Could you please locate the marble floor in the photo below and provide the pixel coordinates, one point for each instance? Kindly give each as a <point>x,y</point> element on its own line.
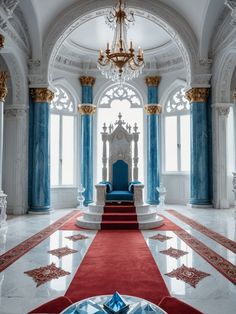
<point>213,295</point>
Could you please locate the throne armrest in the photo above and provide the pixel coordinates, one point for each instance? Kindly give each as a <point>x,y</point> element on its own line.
<point>138,194</point>
<point>101,194</point>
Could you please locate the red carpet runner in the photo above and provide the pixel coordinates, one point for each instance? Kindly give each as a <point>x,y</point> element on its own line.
<point>118,261</point>
<point>119,216</point>
<point>229,244</point>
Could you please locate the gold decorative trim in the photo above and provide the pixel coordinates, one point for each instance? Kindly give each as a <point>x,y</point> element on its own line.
<point>2,41</point>
<point>87,80</point>
<point>234,95</point>
<point>87,109</point>
<point>197,94</point>
<point>152,109</point>
<point>152,80</point>
<point>3,85</point>
<point>42,94</point>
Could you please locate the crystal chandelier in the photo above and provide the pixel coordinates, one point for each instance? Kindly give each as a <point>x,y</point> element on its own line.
<point>120,63</point>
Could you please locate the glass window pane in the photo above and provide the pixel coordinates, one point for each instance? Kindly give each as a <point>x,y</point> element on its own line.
<point>67,150</point>
<point>185,142</point>
<point>171,162</point>
<point>55,148</point>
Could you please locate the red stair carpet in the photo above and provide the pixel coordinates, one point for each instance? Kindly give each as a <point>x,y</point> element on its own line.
<point>118,261</point>
<point>119,216</point>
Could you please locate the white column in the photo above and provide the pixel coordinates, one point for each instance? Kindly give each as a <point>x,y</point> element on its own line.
<point>3,197</point>
<point>220,182</point>
<point>104,154</point>
<point>135,159</point>
<point>15,171</point>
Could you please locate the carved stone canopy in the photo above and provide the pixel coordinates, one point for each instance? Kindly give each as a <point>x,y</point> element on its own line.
<point>152,80</point>
<point>197,95</point>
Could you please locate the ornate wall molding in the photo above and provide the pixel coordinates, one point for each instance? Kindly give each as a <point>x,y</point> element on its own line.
<point>87,109</point>
<point>87,80</point>
<point>15,111</point>
<point>42,94</point>
<point>162,15</point>
<point>232,6</point>
<point>152,109</point>
<point>2,41</point>
<point>197,95</point>
<point>222,108</point>
<point>152,80</point>
<point>3,85</point>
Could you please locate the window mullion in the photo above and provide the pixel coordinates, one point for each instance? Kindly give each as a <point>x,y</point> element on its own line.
<point>178,144</point>
<point>60,152</point>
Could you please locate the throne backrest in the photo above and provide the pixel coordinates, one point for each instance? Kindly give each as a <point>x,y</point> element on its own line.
<point>120,176</point>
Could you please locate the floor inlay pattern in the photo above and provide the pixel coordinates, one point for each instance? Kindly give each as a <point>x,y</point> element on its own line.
<point>229,244</point>
<point>12,255</point>
<point>190,275</point>
<point>43,274</point>
<point>226,268</point>
<point>77,237</point>
<point>174,252</point>
<point>160,237</point>
<point>62,251</point>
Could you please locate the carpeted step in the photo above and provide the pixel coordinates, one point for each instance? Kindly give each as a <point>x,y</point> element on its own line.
<point>119,209</point>
<point>119,216</point>
<point>119,224</point>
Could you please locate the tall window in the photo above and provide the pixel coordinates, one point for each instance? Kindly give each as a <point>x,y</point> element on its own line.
<point>126,100</point>
<point>177,133</point>
<point>62,139</point>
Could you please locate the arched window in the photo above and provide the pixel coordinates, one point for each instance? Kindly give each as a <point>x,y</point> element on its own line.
<point>62,139</point>
<point>125,100</point>
<point>177,132</point>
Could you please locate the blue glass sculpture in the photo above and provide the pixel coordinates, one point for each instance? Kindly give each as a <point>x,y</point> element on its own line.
<point>89,307</point>
<point>116,304</point>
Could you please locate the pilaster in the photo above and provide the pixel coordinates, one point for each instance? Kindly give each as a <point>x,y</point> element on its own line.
<point>220,185</point>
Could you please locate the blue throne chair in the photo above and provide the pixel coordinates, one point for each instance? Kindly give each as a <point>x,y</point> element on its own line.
<point>120,166</point>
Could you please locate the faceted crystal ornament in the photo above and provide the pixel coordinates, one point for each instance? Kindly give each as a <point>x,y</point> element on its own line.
<point>116,304</point>
<point>89,307</point>
<point>144,308</point>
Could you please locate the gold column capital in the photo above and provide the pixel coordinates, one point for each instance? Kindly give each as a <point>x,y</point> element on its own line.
<point>3,85</point>
<point>197,94</point>
<point>87,80</point>
<point>234,94</point>
<point>152,109</point>
<point>2,41</point>
<point>42,94</point>
<point>152,80</point>
<point>86,109</point>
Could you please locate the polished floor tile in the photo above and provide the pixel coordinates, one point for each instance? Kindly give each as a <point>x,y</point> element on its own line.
<point>212,295</point>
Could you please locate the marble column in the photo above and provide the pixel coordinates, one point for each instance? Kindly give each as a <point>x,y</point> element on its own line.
<point>3,196</point>
<point>39,153</point>
<point>87,110</point>
<point>153,109</point>
<point>200,189</point>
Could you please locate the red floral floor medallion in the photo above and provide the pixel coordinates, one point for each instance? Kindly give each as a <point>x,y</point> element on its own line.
<point>190,275</point>
<point>77,237</point>
<point>62,251</point>
<point>174,252</point>
<point>47,273</point>
<point>160,237</point>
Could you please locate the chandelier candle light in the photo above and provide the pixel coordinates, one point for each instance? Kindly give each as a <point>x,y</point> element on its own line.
<point>120,63</point>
